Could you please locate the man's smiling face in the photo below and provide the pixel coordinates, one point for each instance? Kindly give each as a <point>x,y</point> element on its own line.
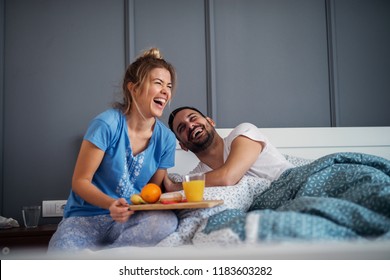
<point>195,132</point>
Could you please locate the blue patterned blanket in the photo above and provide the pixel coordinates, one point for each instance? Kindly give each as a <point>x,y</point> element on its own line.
<point>337,197</point>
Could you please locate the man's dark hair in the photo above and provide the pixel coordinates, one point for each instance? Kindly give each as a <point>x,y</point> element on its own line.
<point>177,110</point>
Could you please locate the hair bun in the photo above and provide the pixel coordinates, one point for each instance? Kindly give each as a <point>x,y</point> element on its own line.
<point>153,52</point>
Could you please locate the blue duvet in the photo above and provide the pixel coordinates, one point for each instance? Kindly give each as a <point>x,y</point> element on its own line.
<point>337,197</point>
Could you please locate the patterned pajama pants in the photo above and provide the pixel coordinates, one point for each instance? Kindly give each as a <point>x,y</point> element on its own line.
<point>144,228</point>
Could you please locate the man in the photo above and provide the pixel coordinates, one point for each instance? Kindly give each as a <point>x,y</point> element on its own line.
<point>245,151</point>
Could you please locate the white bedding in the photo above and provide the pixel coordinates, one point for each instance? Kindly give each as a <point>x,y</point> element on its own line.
<point>190,242</point>
<point>300,146</point>
<point>192,221</point>
<point>240,196</point>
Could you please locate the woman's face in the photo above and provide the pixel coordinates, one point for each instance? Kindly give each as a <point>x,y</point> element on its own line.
<point>155,93</point>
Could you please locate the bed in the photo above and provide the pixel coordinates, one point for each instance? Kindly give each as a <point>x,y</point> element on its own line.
<point>313,205</point>
<point>334,205</point>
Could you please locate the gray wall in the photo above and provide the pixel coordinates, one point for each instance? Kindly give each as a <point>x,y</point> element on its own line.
<point>1,100</point>
<point>271,56</point>
<point>276,63</point>
<point>361,40</point>
<point>64,62</point>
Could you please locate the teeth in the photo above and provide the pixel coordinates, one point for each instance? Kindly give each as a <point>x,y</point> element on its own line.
<point>161,101</point>
<point>196,131</point>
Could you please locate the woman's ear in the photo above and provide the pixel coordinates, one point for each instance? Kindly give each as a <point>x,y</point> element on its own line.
<point>131,88</point>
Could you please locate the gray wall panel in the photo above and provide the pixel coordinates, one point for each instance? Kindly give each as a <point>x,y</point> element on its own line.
<point>362,40</point>
<point>178,28</point>
<point>64,62</point>
<point>2,18</point>
<point>271,63</point>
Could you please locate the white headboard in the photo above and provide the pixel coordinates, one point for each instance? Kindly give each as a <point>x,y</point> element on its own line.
<point>309,142</point>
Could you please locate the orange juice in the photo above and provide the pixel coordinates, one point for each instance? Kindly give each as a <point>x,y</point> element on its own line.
<point>194,190</point>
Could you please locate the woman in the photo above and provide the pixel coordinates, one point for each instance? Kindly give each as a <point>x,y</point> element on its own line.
<point>123,149</point>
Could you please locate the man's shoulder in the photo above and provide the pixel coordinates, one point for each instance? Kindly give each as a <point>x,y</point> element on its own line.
<point>243,128</point>
<point>246,129</point>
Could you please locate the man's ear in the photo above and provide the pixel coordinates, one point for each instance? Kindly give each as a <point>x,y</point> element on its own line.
<point>211,121</point>
<point>184,148</point>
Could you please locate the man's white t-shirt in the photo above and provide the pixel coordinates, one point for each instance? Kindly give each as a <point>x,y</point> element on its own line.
<point>269,165</point>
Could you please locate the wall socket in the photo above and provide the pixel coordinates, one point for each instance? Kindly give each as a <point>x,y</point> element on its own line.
<point>53,208</point>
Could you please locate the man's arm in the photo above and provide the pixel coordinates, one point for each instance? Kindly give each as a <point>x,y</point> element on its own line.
<point>243,153</point>
<point>171,186</point>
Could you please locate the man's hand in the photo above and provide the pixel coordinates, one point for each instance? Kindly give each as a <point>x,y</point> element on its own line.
<point>171,186</point>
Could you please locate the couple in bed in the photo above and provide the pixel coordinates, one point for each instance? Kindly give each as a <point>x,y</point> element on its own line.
<point>127,147</point>
<point>245,151</point>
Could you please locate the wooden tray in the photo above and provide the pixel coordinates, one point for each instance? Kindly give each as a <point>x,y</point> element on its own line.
<point>180,205</point>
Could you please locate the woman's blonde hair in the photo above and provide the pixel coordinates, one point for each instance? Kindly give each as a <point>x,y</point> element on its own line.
<point>138,72</point>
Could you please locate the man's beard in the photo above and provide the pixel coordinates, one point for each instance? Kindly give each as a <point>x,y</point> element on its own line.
<point>197,147</point>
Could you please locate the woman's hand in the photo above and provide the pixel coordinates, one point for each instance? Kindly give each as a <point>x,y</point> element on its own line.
<point>119,210</point>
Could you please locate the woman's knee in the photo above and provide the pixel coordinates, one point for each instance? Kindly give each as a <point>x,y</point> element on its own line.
<point>164,222</point>
<point>75,233</point>
<point>170,220</point>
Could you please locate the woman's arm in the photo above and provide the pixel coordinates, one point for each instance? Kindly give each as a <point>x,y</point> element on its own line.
<point>158,177</point>
<point>88,161</point>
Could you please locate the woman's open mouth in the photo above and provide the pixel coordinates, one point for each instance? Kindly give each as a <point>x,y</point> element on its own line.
<point>160,101</point>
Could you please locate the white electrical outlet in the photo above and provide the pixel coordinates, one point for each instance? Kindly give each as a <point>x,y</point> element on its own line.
<point>53,208</point>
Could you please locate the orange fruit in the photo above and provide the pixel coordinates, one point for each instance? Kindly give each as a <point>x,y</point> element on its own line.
<point>151,193</point>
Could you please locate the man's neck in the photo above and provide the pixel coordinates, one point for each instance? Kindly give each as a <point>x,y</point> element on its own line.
<point>213,156</point>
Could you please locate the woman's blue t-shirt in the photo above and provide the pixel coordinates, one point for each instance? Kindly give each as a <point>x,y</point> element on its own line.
<point>121,174</point>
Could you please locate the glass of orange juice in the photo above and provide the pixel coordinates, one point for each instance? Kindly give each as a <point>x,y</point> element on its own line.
<point>193,185</point>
